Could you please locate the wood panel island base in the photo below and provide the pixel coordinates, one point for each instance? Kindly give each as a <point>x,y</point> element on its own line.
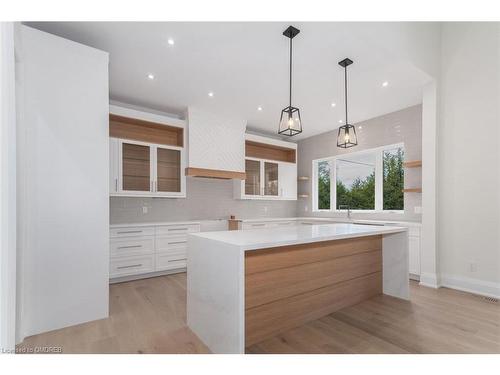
<point>247,286</point>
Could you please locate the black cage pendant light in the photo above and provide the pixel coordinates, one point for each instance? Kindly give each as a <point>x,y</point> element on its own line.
<point>290,122</point>
<point>347,133</point>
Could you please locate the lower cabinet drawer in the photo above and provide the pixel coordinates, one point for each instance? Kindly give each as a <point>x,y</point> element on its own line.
<point>171,260</point>
<point>131,265</point>
<point>171,243</point>
<point>254,225</point>
<point>174,230</point>
<point>131,246</point>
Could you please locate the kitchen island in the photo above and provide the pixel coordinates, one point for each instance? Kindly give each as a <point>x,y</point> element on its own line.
<point>246,286</point>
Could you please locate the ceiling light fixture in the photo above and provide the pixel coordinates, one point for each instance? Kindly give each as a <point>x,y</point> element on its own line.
<point>211,94</point>
<point>334,105</point>
<point>385,84</point>
<point>151,76</point>
<point>170,41</point>
<point>259,108</point>
<point>347,133</point>
<point>290,122</point>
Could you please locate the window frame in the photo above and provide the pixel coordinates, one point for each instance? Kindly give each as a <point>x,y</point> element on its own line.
<point>379,180</point>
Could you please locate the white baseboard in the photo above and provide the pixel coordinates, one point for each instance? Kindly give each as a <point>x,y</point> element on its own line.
<point>467,284</point>
<point>429,280</point>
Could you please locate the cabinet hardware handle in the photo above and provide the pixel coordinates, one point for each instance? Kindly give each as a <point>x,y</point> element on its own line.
<point>172,229</point>
<point>130,231</point>
<point>116,184</point>
<point>283,223</point>
<point>258,225</point>
<point>176,260</point>
<point>156,187</point>
<point>173,243</point>
<point>131,266</point>
<point>152,191</point>
<point>129,247</point>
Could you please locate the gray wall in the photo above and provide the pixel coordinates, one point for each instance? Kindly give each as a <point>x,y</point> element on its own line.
<point>206,199</point>
<point>401,126</point>
<point>213,199</point>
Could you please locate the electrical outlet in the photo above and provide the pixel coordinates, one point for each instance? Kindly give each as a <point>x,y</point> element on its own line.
<point>473,267</point>
<point>418,209</point>
<point>305,208</point>
<point>265,209</point>
<point>145,209</point>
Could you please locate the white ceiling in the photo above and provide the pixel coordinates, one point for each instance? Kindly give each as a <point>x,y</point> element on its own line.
<point>245,65</point>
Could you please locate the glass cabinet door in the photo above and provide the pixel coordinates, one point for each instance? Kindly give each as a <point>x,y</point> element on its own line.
<point>168,170</point>
<point>270,178</point>
<point>136,170</point>
<point>252,180</point>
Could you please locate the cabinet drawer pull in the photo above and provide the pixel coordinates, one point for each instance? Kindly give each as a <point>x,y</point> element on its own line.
<point>129,247</point>
<point>176,260</point>
<point>176,242</point>
<point>177,229</point>
<point>258,225</point>
<point>130,231</point>
<point>131,266</point>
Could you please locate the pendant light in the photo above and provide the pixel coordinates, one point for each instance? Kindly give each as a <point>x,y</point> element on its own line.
<point>290,122</point>
<point>347,133</point>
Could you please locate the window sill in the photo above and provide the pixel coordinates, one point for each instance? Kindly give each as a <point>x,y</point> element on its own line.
<point>395,212</point>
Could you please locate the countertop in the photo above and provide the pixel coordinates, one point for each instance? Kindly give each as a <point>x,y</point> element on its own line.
<point>298,234</point>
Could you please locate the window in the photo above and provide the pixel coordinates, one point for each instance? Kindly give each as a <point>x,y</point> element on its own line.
<point>370,180</point>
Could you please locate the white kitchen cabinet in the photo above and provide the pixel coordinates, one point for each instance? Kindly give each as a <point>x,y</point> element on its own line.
<point>267,180</point>
<point>414,252</point>
<point>144,251</point>
<point>146,169</point>
<point>113,165</point>
<point>287,180</point>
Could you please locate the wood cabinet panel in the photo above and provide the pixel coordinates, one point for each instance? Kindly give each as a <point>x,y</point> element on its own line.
<point>145,131</point>
<point>252,180</point>
<point>268,320</point>
<point>168,164</point>
<point>303,278</point>
<point>270,152</point>
<point>271,259</point>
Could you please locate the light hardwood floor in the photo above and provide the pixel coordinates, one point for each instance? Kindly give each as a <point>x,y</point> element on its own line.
<point>149,316</point>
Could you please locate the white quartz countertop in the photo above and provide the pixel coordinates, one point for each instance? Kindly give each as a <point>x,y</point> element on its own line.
<point>153,224</point>
<point>294,235</point>
<point>333,219</point>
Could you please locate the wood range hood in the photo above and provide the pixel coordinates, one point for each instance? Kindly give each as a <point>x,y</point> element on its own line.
<point>215,173</point>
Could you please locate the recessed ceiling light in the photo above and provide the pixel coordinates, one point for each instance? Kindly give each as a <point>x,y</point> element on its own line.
<point>211,94</point>
<point>360,127</point>
<point>334,104</point>
<point>151,76</point>
<point>385,84</point>
<point>341,121</point>
<point>259,108</point>
<point>170,41</point>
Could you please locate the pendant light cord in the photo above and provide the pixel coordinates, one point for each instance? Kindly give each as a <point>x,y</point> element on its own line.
<point>345,84</point>
<point>291,72</point>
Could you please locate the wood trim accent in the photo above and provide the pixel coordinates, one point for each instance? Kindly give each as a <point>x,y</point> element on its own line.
<point>412,164</point>
<point>145,131</point>
<point>291,285</point>
<point>270,152</point>
<point>287,282</point>
<point>215,173</point>
<point>288,256</point>
<point>412,190</point>
<point>270,319</point>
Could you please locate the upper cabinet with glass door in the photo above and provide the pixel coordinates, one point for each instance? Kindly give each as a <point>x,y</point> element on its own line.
<point>271,170</point>
<point>146,154</point>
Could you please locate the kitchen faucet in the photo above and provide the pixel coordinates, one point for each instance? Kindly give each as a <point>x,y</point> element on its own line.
<point>346,207</point>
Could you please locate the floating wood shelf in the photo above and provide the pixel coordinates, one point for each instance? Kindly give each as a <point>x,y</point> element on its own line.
<point>303,195</point>
<point>412,190</point>
<point>303,178</point>
<point>413,164</point>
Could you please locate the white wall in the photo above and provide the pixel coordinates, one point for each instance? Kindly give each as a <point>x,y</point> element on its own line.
<point>63,203</point>
<point>468,157</point>
<point>7,188</point>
